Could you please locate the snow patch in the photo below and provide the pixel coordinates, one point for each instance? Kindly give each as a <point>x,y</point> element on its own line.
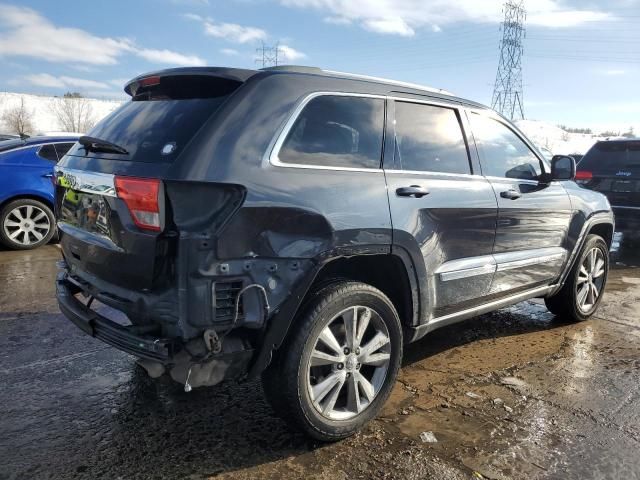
<point>555,139</point>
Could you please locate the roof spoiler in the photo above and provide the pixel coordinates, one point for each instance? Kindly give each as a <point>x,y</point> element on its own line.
<point>233,74</point>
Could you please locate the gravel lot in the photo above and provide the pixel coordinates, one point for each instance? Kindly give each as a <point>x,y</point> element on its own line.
<point>513,394</point>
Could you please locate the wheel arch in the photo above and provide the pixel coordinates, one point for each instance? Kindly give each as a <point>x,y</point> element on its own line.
<point>401,288</point>
<point>604,230</point>
<point>600,223</point>
<point>28,196</point>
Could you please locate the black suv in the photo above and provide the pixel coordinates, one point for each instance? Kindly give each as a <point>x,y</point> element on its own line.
<point>304,225</point>
<point>612,167</point>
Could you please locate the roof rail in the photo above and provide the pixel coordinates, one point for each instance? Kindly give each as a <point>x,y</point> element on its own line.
<point>390,82</point>
<point>293,68</point>
<point>316,70</point>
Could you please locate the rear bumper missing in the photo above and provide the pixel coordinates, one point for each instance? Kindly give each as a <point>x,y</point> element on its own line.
<point>183,360</point>
<point>129,339</point>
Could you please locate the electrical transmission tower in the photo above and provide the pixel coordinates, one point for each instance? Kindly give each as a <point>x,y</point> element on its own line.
<point>507,91</point>
<point>268,56</point>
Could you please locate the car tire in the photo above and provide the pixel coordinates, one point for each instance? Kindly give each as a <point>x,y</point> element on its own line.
<point>26,224</point>
<point>362,369</point>
<point>583,290</point>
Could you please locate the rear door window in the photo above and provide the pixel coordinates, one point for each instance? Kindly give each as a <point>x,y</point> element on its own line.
<point>336,131</point>
<point>429,138</point>
<point>502,152</point>
<point>48,152</point>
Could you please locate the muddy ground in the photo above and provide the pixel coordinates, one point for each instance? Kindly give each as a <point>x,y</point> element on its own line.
<point>513,394</point>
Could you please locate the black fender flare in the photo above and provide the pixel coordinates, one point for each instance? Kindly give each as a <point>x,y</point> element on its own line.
<point>279,323</point>
<point>597,218</point>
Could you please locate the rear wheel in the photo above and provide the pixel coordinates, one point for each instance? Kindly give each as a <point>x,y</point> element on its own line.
<point>26,224</point>
<point>581,294</point>
<point>339,364</point>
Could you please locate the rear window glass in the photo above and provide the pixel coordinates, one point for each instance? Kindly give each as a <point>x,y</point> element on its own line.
<point>612,157</point>
<point>153,130</point>
<point>337,131</point>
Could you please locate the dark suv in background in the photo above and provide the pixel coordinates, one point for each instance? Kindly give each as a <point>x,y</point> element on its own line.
<point>304,225</point>
<point>612,167</point>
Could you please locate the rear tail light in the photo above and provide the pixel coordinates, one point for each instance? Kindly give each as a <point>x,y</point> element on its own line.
<point>583,176</point>
<point>141,195</point>
<point>149,81</point>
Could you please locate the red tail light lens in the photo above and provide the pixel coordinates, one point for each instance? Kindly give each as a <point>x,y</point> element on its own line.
<point>149,81</point>
<point>583,175</point>
<point>141,197</point>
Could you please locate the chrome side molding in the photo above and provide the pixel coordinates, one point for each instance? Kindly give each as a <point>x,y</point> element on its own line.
<point>489,264</point>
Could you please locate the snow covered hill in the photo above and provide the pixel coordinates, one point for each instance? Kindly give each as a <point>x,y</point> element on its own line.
<point>555,139</point>
<point>43,119</point>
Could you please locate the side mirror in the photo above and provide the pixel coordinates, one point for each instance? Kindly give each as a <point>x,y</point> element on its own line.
<point>563,167</point>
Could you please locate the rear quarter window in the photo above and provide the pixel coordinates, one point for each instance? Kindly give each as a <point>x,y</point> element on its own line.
<point>48,152</point>
<point>336,131</point>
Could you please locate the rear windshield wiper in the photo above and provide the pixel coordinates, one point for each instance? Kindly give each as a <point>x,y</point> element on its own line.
<point>92,144</point>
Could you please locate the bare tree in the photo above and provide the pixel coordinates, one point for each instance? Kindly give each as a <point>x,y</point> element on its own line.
<point>73,113</point>
<point>19,119</point>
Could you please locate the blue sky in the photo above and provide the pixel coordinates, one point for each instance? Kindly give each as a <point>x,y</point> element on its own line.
<point>581,62</point>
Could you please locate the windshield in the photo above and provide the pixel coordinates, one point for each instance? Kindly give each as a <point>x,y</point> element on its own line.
<point>152,130</point>
<point>612,157</point>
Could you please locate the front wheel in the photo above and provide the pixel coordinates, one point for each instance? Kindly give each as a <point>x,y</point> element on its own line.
<point>339,365</point>
<point>580,296</point>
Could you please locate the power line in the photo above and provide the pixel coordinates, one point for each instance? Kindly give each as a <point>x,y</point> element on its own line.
<point>507,90</point>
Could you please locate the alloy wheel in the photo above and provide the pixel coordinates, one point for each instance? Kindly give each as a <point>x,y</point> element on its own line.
<point>591,278</point>
<point>349,363</point>
<point>26,225</point>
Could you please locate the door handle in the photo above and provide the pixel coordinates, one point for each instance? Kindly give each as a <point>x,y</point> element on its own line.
<point>511,194</point>
<point>415,191</point>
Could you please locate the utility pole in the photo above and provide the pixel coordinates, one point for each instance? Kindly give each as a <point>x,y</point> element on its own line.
<point>268,56</point>
<point>507,91</point>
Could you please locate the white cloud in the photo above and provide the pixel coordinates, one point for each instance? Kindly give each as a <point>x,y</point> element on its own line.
<point>47,80</point>
<point>24,32</point>
<point>234,32</point>
<point>231,32</point>
<point>168,57</point>
<point>29,34</point>
<point>393,25</point>
<point>337,20</point>
<point>194,3</point>
<point>403,17</point>
<point>613,72</point>
<point>556,18</point>
<point>290,54</point>
<point>229,51</point>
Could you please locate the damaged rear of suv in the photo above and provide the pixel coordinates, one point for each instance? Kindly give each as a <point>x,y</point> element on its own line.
<point>241,221</point>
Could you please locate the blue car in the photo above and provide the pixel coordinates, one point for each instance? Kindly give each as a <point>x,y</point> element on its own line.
<point>26,189</point>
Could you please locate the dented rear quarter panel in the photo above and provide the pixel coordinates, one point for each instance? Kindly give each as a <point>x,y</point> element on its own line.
<point>289,221</point>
